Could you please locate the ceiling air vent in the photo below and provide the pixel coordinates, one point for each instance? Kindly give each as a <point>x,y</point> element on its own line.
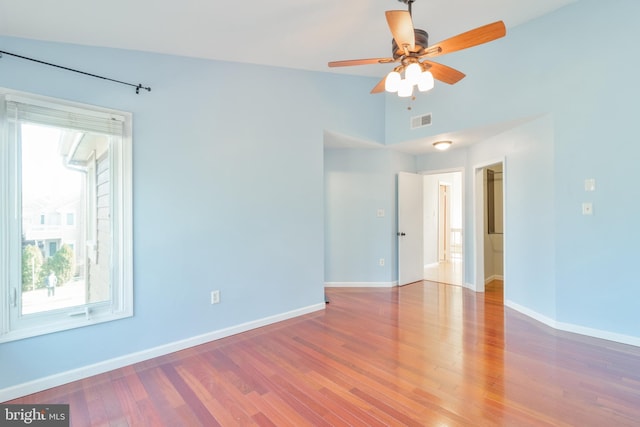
<point>421,121</point>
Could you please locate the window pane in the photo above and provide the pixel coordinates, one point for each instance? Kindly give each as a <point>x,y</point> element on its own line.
<point>67,176</point>
<point>55,268</point>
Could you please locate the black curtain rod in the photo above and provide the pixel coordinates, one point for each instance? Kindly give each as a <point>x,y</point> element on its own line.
<point>138,86</point>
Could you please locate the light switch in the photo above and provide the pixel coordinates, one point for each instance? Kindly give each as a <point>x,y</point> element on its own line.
<point>590,184</point>
<point>380,213</point>
<point>587,208</point>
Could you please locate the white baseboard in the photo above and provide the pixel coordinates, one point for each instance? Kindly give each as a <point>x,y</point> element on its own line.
<point>40,384</point>
<point>360,284</point>
<point>492,278</point>
<point>576,329</point>
<point>469,286</point>
<point>530,313</point>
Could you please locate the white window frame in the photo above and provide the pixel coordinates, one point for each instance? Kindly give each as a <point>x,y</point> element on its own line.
<point>13,325</point>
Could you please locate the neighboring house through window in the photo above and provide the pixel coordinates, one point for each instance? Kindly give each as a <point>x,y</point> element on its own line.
<point>69,166</point>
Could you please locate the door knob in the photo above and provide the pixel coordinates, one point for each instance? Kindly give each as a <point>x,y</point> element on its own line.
<point>401,234</point>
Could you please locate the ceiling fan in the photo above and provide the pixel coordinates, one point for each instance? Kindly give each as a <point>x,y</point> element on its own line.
<point>410,46</point>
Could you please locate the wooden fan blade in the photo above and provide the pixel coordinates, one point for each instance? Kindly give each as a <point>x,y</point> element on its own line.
<point>401,27</point>
<point>444,73</point>
<point>350,62</point>
<point>471,38</point>
<point>380,86</point>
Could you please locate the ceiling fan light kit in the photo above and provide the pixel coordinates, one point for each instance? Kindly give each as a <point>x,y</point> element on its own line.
<point>415,75</point>
<point>410,46</point>
<point>426,81</point>
<point>392,82</point>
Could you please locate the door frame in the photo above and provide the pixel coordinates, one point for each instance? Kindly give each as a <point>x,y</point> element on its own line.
<point>480,220</point>
<point>444,221</point>
<point>463,208</point>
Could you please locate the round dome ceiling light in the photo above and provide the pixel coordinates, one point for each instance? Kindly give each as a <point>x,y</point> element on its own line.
<point>442,145</point>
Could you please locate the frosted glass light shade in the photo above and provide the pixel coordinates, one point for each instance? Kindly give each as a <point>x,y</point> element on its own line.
<point>425,82</point>
<point>442,145</point>
<point>412,73</point>
<point>392,82</point>
<point>405,89</point>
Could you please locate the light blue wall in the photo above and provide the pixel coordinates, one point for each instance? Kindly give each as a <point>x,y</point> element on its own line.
<point>527,151</point>
<point>228,178</point>
<point>228,191</point>
<point>359,182</point>
<point>529,238</point>
<point>597,280</point>
<point>575,67</point>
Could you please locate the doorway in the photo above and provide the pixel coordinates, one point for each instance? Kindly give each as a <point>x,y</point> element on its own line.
<point>443,219</point>
<point>489,208</point>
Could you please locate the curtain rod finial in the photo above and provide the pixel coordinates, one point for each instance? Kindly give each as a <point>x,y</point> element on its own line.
<point>148,89</point>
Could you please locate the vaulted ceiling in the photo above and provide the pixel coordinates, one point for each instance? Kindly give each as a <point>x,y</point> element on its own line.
<point>302,34</point>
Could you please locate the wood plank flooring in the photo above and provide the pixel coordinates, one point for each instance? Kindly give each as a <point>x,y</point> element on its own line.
<point>426,354</point>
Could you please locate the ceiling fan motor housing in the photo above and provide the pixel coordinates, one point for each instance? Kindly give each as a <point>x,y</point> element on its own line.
<point>421,43</point>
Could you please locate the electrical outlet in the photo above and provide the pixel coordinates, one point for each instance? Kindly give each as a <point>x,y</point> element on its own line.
<point>381,262</point>
<point>215,297</point>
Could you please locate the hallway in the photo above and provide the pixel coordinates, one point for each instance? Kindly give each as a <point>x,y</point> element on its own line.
<point>449,272</point>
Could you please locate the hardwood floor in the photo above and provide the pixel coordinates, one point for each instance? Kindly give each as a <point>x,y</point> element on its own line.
<point>449,272</point>
<point>424,354</point>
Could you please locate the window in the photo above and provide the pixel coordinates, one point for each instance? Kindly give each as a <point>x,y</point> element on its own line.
<point>65,193</point>
<point>53,248</point>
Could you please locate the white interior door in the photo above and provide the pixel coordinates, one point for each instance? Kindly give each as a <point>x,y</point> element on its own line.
<point>410,228</point>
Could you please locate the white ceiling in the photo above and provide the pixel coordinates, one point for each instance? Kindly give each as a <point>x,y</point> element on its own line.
<point>301,34</point>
